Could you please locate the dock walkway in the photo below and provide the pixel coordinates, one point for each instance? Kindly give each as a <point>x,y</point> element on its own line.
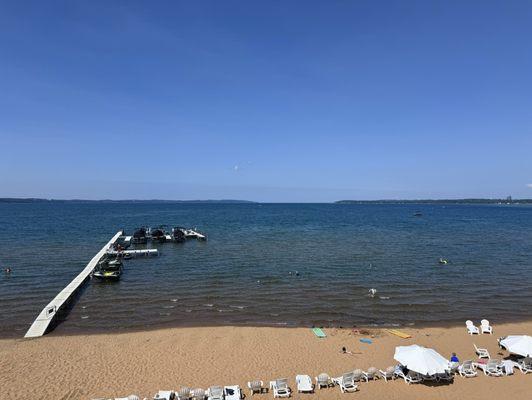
<point>47,315</point>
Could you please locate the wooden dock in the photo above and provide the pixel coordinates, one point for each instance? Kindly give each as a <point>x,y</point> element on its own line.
<point>49,313</point>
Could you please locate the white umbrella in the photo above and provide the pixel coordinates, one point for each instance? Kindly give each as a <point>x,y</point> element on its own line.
<point>518,344</point>
<point>422,360</point>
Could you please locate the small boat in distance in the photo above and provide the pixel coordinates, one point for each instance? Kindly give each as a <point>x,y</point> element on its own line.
<point>108,269</point>
<point>191,233</point>
<point>177,235</point>
<point>157,234</point>
<point>140,236</point>
<point>418,214</point>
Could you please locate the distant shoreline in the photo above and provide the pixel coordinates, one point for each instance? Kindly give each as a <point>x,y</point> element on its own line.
<point>438,201</point>
<point>39,200</point>
<point>233,201</point>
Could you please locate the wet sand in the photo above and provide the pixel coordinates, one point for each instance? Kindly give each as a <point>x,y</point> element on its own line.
<point>106,365</point>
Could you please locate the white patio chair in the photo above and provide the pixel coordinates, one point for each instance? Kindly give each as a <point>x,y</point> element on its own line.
<point>184,393</point>
<point>471,329</point>
<point>164,395</point>
<point>358,375</point>
<point>198,394</point>
<point>346,382</point>
<point>256,387</point>
<point>304,384</point>
<point>485,327</point>
<point>388,373</point>
<point>215,393</point>
<point>410,377</point>
<point>323,380</point>
<point>232,392</point>
<point>491,368</point>
<point>371,374</point>
<point>482,353</point>
<point>280,388</point>
<point>467,369</point>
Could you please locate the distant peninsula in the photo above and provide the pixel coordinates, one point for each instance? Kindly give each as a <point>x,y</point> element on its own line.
<point>38,200</point>
<point>507,200</point>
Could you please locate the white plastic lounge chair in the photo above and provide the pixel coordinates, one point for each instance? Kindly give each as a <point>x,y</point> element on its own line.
<point>232,392</point>
<point>215,393</point>
<point>471,329</point>
<point>255,387</point>
<point>467,369</point>
<point>410,377</point>
<point>323,380</point>
<point>346,382</point>
<point>482,353</point>
<point>485,327</point>
<point>184,393</point>
<point>371,373</point>
<point>280,388</point>
<point>525,364</point>
<point>491,368</point>
<point>358,375</point>
<point>304,384</point>
<point>388,374</point>
<point>198,394</point>
<point>164,395</point>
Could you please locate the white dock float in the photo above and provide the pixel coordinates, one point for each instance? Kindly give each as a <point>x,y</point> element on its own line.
<point>135,253</point>
<point>47,315</point>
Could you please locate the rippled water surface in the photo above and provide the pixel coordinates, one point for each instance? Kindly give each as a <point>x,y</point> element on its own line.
<point>245,273</point>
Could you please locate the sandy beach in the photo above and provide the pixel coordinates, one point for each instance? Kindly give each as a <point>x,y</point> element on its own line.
<point>106,365</point>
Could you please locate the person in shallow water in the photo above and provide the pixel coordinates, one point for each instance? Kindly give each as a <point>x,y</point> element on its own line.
<point>454,358</point>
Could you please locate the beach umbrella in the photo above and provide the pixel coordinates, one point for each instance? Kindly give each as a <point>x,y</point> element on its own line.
<point>422,360</point>
<point>518,344</point>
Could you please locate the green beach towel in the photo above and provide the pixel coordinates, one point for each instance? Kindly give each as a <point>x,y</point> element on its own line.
<point>319,333</point>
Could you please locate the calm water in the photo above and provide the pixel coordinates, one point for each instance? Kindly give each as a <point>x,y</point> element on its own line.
<point>241,276</point>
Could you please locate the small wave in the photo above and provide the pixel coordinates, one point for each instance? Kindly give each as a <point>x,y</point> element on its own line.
<point>84,317</point>
<point>173,300</point>
<point>188,310</point>
<point>274,314</point>
<point>164,314</point>
<point>239,307</point>
<point>222,310</point>
<point>168,306</point>
<point>209,305</point>
<point>384,297</point>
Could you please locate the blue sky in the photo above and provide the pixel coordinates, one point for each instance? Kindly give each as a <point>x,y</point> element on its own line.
<point>268,101</point>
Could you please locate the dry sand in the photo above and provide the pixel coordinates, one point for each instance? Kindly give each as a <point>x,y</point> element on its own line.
<point>90,366</point>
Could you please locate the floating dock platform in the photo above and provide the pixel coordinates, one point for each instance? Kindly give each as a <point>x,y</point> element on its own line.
<point>134,253</point>
<point>49,313</point>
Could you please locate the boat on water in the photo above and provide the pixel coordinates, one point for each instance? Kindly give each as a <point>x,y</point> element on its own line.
<point>110,269</point>
<point>140,236</point>
<point>189,233</point>
<point>418,214</point>
<point>157,234</point>
<point>177,235</point>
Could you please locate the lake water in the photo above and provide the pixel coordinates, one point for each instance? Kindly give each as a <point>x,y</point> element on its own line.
<point>245,274</point>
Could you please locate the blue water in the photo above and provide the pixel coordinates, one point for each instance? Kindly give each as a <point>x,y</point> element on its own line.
<point>245,273</point>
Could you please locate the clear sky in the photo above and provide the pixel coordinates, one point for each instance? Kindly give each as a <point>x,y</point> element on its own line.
<point>266,100</point>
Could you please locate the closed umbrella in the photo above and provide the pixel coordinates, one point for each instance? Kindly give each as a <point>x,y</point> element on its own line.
<point>422,360</point>
<point>518,344</point>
